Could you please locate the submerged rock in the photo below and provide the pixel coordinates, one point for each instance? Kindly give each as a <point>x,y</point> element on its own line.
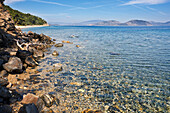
<point>59,45</point>
<point>55,53</point>
<point>14,65</point>
<point>48,99</point>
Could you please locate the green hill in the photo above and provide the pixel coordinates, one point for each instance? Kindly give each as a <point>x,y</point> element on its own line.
<point>24,19</point>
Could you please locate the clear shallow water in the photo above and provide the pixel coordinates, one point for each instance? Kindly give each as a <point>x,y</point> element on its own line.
<point>127,67</point>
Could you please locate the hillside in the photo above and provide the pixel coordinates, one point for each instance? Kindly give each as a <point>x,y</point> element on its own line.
<point>24,19</point>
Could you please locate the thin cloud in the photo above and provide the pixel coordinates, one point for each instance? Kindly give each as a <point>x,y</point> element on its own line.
<point>54,3</point>
<point>149,2</point>
<point>12,1</point>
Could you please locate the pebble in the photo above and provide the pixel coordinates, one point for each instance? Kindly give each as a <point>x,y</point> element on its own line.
<point>55,53</point>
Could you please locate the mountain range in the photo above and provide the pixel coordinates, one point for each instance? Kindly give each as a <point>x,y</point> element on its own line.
<point>115,23</point>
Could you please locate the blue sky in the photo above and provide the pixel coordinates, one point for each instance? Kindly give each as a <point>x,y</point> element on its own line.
<point>82,10</point>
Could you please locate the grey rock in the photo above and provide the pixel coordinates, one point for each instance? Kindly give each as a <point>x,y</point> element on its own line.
<point>4,92</point>
<point>28,108</point>
<point>14,65</point>
<point>5,109</point>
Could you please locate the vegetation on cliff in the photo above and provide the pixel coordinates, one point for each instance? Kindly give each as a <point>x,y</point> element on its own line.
<point>24,19</point>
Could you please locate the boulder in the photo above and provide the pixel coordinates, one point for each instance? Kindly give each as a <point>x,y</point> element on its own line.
<point>59,45</point>
<point>14,65</point>
<point>28,108</point>
<point>23,54</point>
<point>31,61</point>
<point>29,98</point>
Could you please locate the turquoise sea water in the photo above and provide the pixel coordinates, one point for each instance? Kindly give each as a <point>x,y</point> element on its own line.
<point>126,67</point>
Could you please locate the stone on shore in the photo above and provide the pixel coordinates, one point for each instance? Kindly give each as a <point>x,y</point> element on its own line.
<point>55,53</point>
<point>3,73</point>
<point>23,54</point>
<point>14,65</point>
<point>59,45</point>
<point>5,109</point>
<point>31,61</point>
<point>3,82</point>
<point>29,98</point>
<point>28,108</point>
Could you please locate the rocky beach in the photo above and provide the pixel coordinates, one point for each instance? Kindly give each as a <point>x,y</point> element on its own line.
<point>19,55</point>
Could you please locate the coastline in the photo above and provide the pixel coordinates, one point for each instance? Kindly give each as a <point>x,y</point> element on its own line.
<point>31,26</point>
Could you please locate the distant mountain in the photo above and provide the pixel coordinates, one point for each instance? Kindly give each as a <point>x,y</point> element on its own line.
<point>114,23</point>
<point>107,23</point>
<point>138,23</point>
<point>129,23</point>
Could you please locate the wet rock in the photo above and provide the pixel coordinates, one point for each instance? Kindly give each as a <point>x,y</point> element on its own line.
<point>3,82</point>
<point>28,108</point>
<point>30,33</point>
<point>31,61</point>
<point>55,53</point>
<point>48,99</point>
<point>1,62</point>
<point>14,65</point>
<point>23,54</point>
<point>29,98</point>
<point>5,109</point>
<point>3,73</point>
<point>59,45</point>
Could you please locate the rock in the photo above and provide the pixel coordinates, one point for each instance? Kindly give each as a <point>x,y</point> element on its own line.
<point>5,109</point>
<point>28,108</point>
<point>55,53</point>
<point>38,54</point>
<point>59,45</point>
<point>40,104</point>
<point>30,33</point>
<point>31,61</point>
<point>54,39</point>
<point>5,92</point>
<point>3,73</point>
<point>23,54</point>
<point>14,65</point>
<point>77,46</point>
<point>57,67</point>
<point>1,62</point>
<point>3,82</point>
<point>29,98</point>
<point>48,99</point>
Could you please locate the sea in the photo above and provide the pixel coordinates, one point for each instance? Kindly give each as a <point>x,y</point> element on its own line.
<point>110,68</point>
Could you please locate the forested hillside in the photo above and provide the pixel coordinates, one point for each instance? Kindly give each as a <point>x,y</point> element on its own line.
<point>24,19</point>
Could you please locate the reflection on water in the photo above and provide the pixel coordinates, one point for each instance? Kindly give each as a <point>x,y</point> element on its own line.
<point>124,67</point>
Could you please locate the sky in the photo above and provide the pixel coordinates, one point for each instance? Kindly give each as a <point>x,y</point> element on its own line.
<point>72,11</point>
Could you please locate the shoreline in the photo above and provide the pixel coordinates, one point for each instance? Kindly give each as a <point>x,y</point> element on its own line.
<point>31,26</point>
